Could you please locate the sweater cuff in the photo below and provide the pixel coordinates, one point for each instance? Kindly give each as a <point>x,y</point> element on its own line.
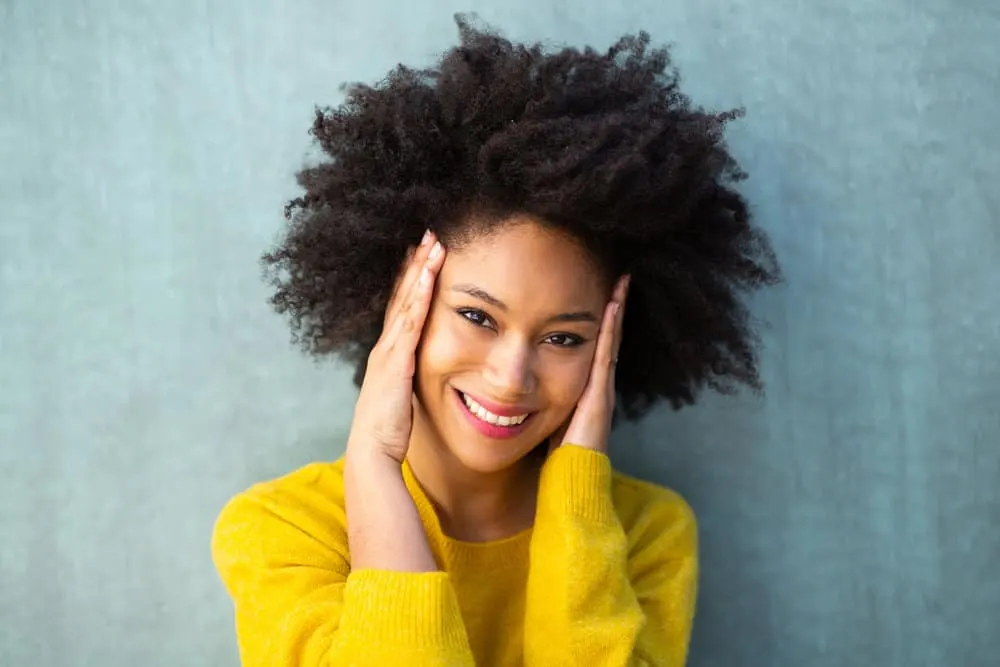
<point>402,609</point>
<point>577,480</point>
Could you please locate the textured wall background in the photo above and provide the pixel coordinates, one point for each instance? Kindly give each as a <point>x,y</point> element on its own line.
<point>851,518</point>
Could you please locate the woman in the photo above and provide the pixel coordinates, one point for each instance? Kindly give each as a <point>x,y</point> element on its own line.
<point>582,252</point>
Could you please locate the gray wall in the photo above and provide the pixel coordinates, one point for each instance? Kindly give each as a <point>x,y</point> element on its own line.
<point>850,518</point>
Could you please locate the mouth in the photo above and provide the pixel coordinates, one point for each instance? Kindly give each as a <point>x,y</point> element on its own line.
<point>489,423</point>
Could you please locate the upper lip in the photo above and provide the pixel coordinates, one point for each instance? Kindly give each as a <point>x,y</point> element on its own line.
<point>500,409</point>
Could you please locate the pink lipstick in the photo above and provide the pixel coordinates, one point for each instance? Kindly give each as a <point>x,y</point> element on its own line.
<point>491,430</point>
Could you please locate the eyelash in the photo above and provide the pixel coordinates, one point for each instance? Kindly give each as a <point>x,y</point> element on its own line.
<point>478,318</point>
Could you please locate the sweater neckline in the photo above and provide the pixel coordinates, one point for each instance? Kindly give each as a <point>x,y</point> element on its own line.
<point>508,552</point>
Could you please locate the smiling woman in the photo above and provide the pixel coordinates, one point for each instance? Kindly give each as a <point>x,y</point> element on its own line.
<point>511,333</point>
<point>510,246</point>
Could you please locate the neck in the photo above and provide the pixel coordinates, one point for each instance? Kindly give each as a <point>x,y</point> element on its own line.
<point>472,506</point>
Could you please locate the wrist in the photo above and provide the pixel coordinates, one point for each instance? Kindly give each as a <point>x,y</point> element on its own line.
<point>373,475</point>
<point>384,530</point>
<point>576,481</point>
<point>370,461</point>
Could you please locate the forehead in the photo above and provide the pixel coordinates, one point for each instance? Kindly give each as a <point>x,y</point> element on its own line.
<point>527,265</point>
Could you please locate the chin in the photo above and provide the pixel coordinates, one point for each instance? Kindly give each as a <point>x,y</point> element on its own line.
<point>480,459</point>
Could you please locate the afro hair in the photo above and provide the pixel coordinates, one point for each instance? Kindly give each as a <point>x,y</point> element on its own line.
<point>601,145</point>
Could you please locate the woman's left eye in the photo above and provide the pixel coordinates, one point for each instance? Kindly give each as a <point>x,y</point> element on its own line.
<point>564,340</point>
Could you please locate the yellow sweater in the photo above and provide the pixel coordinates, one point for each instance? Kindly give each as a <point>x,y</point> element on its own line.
<point>605,578</point>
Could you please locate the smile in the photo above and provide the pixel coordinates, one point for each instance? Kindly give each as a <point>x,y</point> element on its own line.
<point>489,417</point>
<point>490,423</point>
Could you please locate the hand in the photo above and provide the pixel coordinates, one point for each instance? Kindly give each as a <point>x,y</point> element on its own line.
<point>383,416</point>
<point>590,424</point>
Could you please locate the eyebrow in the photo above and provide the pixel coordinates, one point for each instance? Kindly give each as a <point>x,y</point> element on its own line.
<point>486,297</point>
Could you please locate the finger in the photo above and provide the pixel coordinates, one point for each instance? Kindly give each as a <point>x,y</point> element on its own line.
<point>397,283</point>
<point>621,295</point>
<point>408,323</point>
<point>608,339</point>
<point>408,275</point>
<point>603,355</point>
<point>410,270</point>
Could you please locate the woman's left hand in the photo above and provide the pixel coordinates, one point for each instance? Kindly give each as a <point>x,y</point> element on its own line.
<point>590,424</point>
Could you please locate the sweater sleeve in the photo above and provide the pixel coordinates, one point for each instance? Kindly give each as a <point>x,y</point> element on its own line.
<point>298,604</point>
<point>600,597</point>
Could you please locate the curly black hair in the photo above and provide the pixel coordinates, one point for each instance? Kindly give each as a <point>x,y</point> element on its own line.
<point>601,145</point>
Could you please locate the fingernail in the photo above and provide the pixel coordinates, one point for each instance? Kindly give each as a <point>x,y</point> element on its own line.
<point>427,237</point>
<point>617,307</point>
<point>435,251</point>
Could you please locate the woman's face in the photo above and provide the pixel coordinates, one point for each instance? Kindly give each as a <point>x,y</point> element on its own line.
<point>508,343</point>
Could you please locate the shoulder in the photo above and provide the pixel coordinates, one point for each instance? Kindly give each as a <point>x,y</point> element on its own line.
<point>296,519</point>
<point>653,513</point>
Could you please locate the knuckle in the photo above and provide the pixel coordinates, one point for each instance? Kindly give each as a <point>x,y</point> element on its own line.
<point>377,355</point>
<point>374,360</point>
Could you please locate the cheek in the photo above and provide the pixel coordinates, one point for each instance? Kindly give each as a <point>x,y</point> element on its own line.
<point>565,380</point>
<point>444,347</point>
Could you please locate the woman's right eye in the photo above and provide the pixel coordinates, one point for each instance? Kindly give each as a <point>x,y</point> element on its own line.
<point>476,317</point>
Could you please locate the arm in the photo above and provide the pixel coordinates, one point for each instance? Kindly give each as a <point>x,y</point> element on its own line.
<point>299,603</point>
<point>383,527</point>
<point>407,612</point>
<point>595,595</point>
<point>372,596</point>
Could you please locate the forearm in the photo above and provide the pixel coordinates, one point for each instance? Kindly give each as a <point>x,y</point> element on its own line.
<point>384,528</point>
<point>579,597</point>
<point>399,607</point>
<point>284,555</point>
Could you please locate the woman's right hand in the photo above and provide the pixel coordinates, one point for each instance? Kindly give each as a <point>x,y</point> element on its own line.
<point>383,415</point>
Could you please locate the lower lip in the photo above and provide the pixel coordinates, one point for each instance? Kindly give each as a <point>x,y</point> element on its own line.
<point>490,430</point>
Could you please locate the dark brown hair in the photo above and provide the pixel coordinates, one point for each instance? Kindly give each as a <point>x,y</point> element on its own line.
<point>602,145</point>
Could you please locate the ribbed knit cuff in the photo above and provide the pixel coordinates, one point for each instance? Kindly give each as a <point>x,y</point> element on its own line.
<point>577,480</point>
<point>403,609</point>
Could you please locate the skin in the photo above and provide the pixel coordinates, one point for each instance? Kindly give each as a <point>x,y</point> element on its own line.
<point>549,349</point>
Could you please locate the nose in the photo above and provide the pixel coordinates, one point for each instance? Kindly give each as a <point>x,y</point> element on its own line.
<point>509,371</point>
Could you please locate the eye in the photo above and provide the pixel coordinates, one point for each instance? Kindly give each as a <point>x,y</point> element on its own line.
<point>477,317</point>
<point>564,340</point>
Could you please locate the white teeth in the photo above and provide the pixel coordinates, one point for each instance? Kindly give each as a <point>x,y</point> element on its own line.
<point>489,417</point>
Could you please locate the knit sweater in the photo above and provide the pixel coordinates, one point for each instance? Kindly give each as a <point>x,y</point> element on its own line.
<point>606,577</point>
